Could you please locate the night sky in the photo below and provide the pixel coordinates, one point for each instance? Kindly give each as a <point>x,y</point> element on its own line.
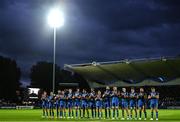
<point>94,30</point>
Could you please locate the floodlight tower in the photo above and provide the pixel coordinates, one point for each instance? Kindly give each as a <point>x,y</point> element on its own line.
<point>55,20</point>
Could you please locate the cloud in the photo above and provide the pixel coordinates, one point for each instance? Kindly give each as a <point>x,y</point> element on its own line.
<point>100,30</point>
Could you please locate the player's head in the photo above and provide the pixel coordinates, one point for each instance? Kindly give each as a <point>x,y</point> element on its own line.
<point>153,89</point>
<point>107,88</point>
<point>92,89</point>
<point>99,92</point>
<point>115,88</point>
<point>59,91</point>
<point>132,90</point>
<point>141,89</point>
<point>124,89</point>
<point>78,90</point>
<point>70,90</point>
<point>45,93</point>
<point>84,91</point>
<point>51,94</point>
<point>62,92</point>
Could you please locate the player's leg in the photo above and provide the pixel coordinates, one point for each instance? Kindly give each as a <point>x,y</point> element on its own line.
<point>79,108</point>
<point>92,110</point>
<point>97,112</point>
<point>131,112</point>
<point>156,110</point>
<point>52,110</point>
<point>109,110</point>
<point>87,110</point>
<point>46,109</point>
<point>117,109</point>
<point>113,108</point>
<point>105,107</point>
<point>43,110</point>
<point>135,110</point>
<point>117,112</point>
<point>60,111</point>
<point>122,106</point>
<point>140,112</point>
<point>131,109</point>
<point>100,111</point>
<point>140,105</point>
<point>76,109</point>
<point>84,110</point>
<point>57,110</point>
<point>152,110</point>
<point>64,111</point>
<point>69,110</point>
<point>49,110</point>
<point>127,111</point>
<point>145,113</point>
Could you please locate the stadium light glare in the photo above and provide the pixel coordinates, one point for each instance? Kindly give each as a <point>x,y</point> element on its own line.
<point>55,18</point>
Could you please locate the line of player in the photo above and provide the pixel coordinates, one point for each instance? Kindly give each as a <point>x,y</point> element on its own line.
<point>79,103</point>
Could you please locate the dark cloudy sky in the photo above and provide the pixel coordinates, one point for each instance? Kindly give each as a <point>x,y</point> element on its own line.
<point>100,30</point>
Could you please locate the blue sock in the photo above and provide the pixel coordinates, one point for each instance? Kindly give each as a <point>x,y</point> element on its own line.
<point>156,114</point>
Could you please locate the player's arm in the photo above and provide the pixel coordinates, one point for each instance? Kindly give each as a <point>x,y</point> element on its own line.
<point>79,96</point>
<point>126,96</point>
<point>157,96</point>
<point>145,96</point>
<point>149,96</point>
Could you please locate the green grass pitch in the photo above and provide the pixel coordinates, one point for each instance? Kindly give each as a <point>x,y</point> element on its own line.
<point>35,115</point>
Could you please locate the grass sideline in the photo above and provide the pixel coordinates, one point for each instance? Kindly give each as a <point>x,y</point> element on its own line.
<point>35,116</point>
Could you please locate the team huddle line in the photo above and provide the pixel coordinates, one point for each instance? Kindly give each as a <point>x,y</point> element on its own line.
<point>78,103</point>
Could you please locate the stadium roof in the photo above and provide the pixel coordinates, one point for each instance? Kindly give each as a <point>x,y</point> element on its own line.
<point>134,71</point>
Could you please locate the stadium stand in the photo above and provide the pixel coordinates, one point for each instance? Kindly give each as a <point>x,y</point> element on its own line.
<point>162,73</point>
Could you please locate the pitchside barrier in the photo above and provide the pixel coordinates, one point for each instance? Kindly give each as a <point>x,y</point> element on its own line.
<point>16,107</point>
<point>24,107</point>
<point>173,107</point>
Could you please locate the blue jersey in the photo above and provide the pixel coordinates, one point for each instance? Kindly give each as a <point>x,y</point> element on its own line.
<point>44,100</point>
<point>141,97</point>
<point>70,97</point>
<point>107,98</point>
<point>77,96</point>
<point>115,99</point>
<point>69,100</point>
<point>57,100</point>
<point>98,101</point>
<point>153,96</point>
<point>50,101</point>
<point>124,99</point>
<point>84,99</point>
<point>132,99</point>
<point>154,99</point>
<point>92,99</point>
<point>124,96</point>
<point>62,100</point>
